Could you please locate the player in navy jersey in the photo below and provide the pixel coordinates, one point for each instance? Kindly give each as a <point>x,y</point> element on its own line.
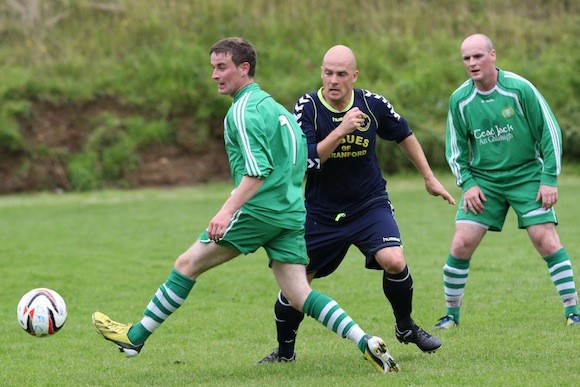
<point>346,199</point>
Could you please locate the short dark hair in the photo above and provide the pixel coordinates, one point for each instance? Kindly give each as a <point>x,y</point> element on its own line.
<point>241,50</point>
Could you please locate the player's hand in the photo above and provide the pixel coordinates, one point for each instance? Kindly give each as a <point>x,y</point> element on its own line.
<point>547,195</point>
<point>435,188</point>
<point>351,121</point>
<point>218,225</point>
<point>473,200</point>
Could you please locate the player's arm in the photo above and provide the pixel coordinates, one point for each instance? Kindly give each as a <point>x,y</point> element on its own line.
<point>304,115</point>
<point>412,149</point>
<point>457,149</point>
<point>542,118</point>
<point>319,152</point>
<point>257,167</point>
<point>393,127</point>
<point>353,119</point>
<point>540,115</point>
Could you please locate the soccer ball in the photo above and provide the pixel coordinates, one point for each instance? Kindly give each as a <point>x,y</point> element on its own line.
<point>41,312</point>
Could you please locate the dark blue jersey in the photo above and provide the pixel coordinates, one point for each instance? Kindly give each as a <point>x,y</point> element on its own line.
<point>351,176</point>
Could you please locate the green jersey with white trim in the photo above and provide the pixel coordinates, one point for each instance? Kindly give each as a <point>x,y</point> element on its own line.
<point>508,126</point>
<point>263,140</point>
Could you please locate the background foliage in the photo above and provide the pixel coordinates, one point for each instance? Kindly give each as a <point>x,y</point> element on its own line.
<point>151,57</point>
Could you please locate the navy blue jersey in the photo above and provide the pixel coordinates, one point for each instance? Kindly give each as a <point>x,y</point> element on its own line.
<point>351,176</point>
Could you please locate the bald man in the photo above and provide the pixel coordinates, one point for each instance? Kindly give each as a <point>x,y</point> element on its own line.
<point>504,147</point>
<point>346,199</point>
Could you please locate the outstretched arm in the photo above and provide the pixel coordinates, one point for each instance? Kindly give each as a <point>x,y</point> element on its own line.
<point>412,149</point>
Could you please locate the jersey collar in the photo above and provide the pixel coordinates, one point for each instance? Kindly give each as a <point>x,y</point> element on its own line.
<point>245,89</point>
<point>347,108</point>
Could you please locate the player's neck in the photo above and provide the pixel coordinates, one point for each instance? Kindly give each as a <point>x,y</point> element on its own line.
<point>338,105</point>
<point>241,86</point>
<point>487,83</point>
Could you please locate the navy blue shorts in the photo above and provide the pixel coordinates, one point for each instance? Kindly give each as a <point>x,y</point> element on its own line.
<point>370,230</point>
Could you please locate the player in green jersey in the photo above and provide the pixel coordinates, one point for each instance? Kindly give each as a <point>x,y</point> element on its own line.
<point>267,154</point>
<point>504,147</point>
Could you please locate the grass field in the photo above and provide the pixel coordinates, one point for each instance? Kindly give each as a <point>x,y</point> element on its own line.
<point>111,250</point>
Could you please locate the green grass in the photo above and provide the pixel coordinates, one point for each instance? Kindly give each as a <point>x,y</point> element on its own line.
<point>110,251</point>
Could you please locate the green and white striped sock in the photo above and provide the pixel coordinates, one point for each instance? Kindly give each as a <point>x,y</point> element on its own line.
<point>560,269</point>
<point>327,312</point>
<point>170,296</point>
<point>455,273</point>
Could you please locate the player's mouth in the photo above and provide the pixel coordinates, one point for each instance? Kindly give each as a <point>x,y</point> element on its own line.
<point>222,88</point>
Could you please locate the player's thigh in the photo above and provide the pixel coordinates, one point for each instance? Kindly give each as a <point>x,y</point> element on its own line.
<point>376,234</point>
<point>292,281</point>
<point>545,238</point>
<point>326,245</point>
<point>466,238</point>
<point>287,246</point>
<point>201,257</point>
<point>495,207</point>
<point>245,234</point>
<point>522,197</point>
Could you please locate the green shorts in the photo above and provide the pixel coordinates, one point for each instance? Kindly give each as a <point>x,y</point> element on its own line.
<point>247,234</point>
<point>516,188</point>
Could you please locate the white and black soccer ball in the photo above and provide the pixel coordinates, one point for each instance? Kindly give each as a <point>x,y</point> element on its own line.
<point>41,312</point>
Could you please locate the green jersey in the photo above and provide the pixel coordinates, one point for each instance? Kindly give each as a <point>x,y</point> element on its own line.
<point>498,130</point>
<point>264,140</point>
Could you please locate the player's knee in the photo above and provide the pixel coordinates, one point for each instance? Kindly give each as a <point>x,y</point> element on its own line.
<point>545,239</point>
<point>547,246</point>
<point>462,246</point>
<point>391,259</point>
<point>296,300</point>
<point>183,263</point>
<point>188,265</point>
<point>461,250</point>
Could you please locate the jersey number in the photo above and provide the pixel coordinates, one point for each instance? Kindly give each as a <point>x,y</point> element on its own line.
<point>284,122</point>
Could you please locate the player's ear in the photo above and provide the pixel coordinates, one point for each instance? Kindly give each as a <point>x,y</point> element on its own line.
<point>244,68</point>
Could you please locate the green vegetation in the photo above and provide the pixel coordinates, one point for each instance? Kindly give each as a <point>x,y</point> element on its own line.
<point>151,57</point>
<point>110,251</point>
